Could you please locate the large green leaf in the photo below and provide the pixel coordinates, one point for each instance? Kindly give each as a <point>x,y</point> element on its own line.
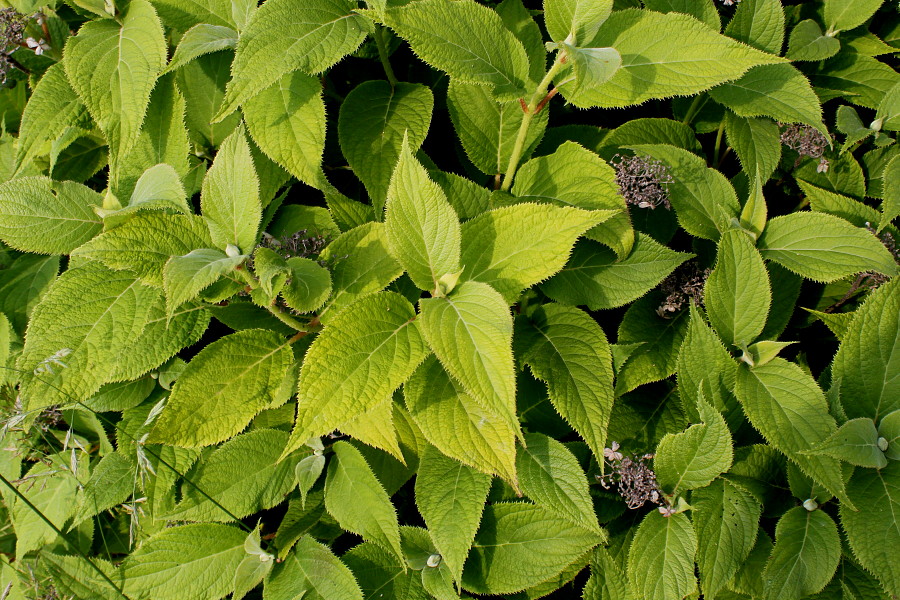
<point>565,348</point>
<point>22,284</point>
<point>550,475</point>
<point>358,360</point>
<point>357,500</point>
<point>595,277</point>
<point>759,23</point>
<point>315,35</point>
<point>287,122</point>
<point>874,531</point>
<point>202,39</point>
<point>788,408</point>
<point>705,367</point>
<point>511,248</point>
<point>311,572</point>
<point>457,425</point>
<point>665,55</point>
<point>114,67</point>
<point>581,18</point>
<point>809,42</point>
<point>112,482</point>
<point>230,197</point>
<point>725,516</point>
<point>87,318</point>
<point>74,577</point>
<point>520,545</point>
<point>867,364</point>
<point>470,331</point>
<point>185,562</point>
<point>440,33</point>
<point>184,277</point>
<point>47,217</point>
<point>756,142</point>
<point>373,120</point>
<point>855,442</point>
<point>50,486</point>
<point>737,293</point>
<point>806,554</point>
<point>223,388</point>
<point>450,497</point>
<point>841,15</point>
<point>823,247</point>
<point>422,227</point>
<point>661,558</point>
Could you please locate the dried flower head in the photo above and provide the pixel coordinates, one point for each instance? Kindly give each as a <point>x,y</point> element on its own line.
<point>643,182</point>
<point>683,285</point>
<point>730,2</point>
<point>634,479</point>
<point>807,141</point>
<point>300,244</point>
<point>12,26</point>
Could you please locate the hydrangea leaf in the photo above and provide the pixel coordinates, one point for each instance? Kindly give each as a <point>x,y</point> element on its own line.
<point>370,514</point>
<point>223,388</point>
<point>661,558</point>
<point>202,39</point>
<point>159,187</point>
<point>450,496</point>
<point>308,286</point>
<point>72,576</point>
<point>375,427</point>
<point>440,34</point>
<point>422,227</point>
<point>46,217</point>
<point>867,361</point>
<point>759,23</point>
<point>704,11</point>
<point>805,557</point>
<point>184,277</point>
<point>54,498</point>
<point>22,284</point>
<point>373,120</point>
<point>358,360</point>
<point>377,572</point>
<point>890,206</point>
<point>185,561</point>
<point>808,42</point>
<point>520,545</point>
<point>855,442</point>
<point>841,15</point>
<point>784,404</point>
<point>312,572</point>
<point>823,247</point>
<point>457,425</point>
<point>112,482</point>
<point>287,121</point>
<point>580,18</point>
<point>655,67</point>
<point>756,142</point>
<point>861,79</point>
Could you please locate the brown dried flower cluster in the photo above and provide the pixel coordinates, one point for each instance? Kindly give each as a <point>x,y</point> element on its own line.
<point>683,285</point>
<point>632,476</point>
<point>643,182</point>
<point>807,141</point>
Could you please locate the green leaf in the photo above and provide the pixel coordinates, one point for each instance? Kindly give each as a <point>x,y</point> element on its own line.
<point>53,494</point>
<point>372,123</point>
<point>316,35</point>
<point>866,363</point>
<point>889,429</point>
<point>575,176</point>
<point>250,573</point>
<point>422,228</point>
<point>654,66</point>
<point>607,580</point>
<point>580,18</point>
<point>890,205</point>
<point>52,107</point>
<point>378,573</point>
<point>862,79</point>
<point>159,187</point>
<point>306,473</point>
<point>202,39</point>
<point>73,577</point>
<point>705,367</point>
<point>823,247</point>
<point>47,217</point>
<point>855,442</point>
<point>592,66</point>
<point>185,562</point>
<point>440,33</point>
<point>594,277</point>
<point>22,283</point>
<point>808,42</point>
<point>841,15</point>
<point>230,197</point>
<point>356,499</point>
<point>287,121</point>
<point>457,425</point>
<point>551,476</point>
<point>661,558</point>
<point>113,69</point>
<point>145,243</point>
<point>787,407</point>
<point>450,497</point>
<point>112,482</point>
<point>470,331</point>
<point>362,263</point>
<point>358,360</point>
<point>95,314</point>
<point>184,277</point>
<point>309,285</point>
<point>703,199</point>
<point>806,554</point>
<point>375,427</point>
<point>487,129</point>
<point>777,91</point>
<point>693,458</point>
<point>888,110</point>
<point>565,348</point>
<point>725,516</point>
<point>520,545</point>
<point>704,11</point>
<point>874,531</point>
<point>511,249</point>
<point>737,293</point>
<point>759,23</point>
<point>223,388</point>
<point>202,81</point>
<point>756,142</point>
<point>184,15</point>
<point>312,572</point>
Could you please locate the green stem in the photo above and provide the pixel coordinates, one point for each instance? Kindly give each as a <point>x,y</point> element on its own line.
<point>383,55</point>
<point>253,283</point>
<point>539,95</point>
<point>693,109</point>
<point>718,147</point>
